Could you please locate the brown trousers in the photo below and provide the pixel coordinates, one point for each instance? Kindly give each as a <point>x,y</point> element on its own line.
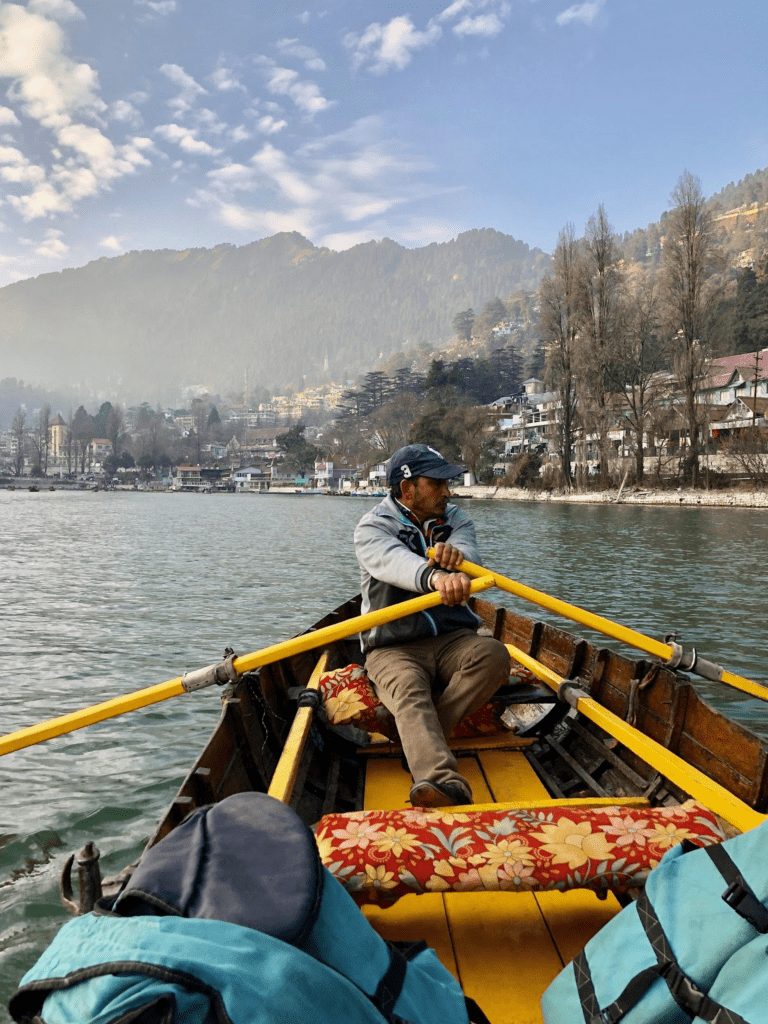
<point>469,667</point>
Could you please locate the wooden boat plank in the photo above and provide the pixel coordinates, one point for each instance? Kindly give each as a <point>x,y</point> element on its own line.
<point>412,917</point>
<point>503,741</point>
<point>518,936</point>
<point>504,952</point>
<point>571,917</point>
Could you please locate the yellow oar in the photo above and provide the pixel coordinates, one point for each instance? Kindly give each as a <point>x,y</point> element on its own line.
<point>213,674</point>
<point>666,652</point>
<point>672,767</point>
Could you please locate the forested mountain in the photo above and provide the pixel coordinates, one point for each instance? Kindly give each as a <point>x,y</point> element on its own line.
<point>280,309</point>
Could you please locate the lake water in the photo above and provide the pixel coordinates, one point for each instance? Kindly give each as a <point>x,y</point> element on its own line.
<point>102,593</point>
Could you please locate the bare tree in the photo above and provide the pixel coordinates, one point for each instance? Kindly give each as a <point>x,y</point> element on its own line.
<point>474,427</point>
<point>19,432</point>
<point>749,450</point>
<point>600,316</point>
<point>689,259</point>
<point>200,410</point>
<point>40,439</point>
<point>83,432</point>
<point>391,423</point>
<point>69,443</point>
<point>559,327</point>
<point>115,428</point>
<point>637,374</point>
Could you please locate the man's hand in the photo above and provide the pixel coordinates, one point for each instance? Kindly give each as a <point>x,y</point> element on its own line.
<point>453,587</point>
<point>446,556</point>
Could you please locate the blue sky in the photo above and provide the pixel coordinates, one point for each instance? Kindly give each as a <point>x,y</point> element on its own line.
<point>148,124</point>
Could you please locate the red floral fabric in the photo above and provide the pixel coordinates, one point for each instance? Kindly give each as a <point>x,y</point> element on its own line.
<point>380,856</point>
<point>349,698</point>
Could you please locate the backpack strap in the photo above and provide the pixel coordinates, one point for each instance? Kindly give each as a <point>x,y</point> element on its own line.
<point>683,989</point>
<point>739,896</point>
<point>390,985</point>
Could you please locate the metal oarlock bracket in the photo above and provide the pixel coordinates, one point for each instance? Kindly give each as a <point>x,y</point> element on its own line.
<point>89,877</point>
<point>218,675</point>
<point>571,691</point>
<point>680,661</point>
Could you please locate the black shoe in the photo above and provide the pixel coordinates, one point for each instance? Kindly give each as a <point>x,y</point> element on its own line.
<point>437,794</point>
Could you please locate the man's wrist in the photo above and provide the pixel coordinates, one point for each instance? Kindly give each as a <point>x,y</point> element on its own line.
<point>436,574</point>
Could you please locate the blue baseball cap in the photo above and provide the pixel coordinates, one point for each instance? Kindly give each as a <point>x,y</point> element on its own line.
<point>420,460</point>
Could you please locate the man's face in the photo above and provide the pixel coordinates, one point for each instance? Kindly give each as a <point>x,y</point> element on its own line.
<point>425,497</point>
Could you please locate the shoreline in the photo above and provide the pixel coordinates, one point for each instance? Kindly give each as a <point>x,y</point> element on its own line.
<point>679,498</point>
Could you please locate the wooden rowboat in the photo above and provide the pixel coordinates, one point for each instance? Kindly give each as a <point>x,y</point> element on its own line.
<point>606,730</point>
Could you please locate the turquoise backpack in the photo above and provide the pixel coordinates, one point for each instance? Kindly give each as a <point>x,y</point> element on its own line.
<point>232,918</point>
<point>693,947</point>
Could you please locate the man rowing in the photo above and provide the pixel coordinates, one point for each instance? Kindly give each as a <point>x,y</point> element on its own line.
<point>430,669</point>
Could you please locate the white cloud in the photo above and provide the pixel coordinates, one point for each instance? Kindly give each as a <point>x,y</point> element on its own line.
<point>122,110</point>
<point>384,47</point>
<point>112,243</point>
<point>293,48</point>
<point>239,134</point>
<point>225,80</point>
<point>268,125</point>
<point>303,17</point>
<point>64,10</point>
<point>47,84</point>
<point>61,96</point>
<point>11,155</point>
<point>189,88</point>
<point>585,13</point>
<point>481,25</point>
<point>156,9</point>
<point>477,17</point>
<point>286,82</point>
<point>16,169</point>
<point>43,201</point>
<point>186,139</point>
<point>52,245</point>
<point>255,220</point>
<point>355,177</point>
<point>134,151</point>
<point>273,165</point>
<point>7,116</point>
<point>340,240</point>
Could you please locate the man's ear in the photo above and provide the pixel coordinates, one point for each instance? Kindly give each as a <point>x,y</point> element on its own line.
<point>407,487</point>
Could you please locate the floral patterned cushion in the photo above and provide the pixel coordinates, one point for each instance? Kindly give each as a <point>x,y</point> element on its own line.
<point>380,856</point>
<point>349,698</point>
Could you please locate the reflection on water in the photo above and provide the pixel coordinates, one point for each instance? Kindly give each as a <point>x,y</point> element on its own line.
<point>108,592</point>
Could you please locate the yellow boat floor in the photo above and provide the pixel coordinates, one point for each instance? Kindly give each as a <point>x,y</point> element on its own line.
<point>503,947</point>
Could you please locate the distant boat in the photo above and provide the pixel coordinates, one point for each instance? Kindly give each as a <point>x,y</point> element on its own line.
<point>33,487</point>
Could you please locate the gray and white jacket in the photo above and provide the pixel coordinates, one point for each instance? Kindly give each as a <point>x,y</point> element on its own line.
<point>391,551</point>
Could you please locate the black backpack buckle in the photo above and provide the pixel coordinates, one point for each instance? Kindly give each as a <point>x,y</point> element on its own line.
<point>740,898</point>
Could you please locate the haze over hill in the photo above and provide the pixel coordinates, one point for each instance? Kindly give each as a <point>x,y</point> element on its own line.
<point>279,309</point>
<point>283,311</point>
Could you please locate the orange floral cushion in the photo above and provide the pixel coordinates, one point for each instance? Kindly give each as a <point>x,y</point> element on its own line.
<point>349,699</point>
<point>380,856</point>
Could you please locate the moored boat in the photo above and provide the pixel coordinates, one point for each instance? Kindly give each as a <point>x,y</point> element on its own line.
<point>580,731</point>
